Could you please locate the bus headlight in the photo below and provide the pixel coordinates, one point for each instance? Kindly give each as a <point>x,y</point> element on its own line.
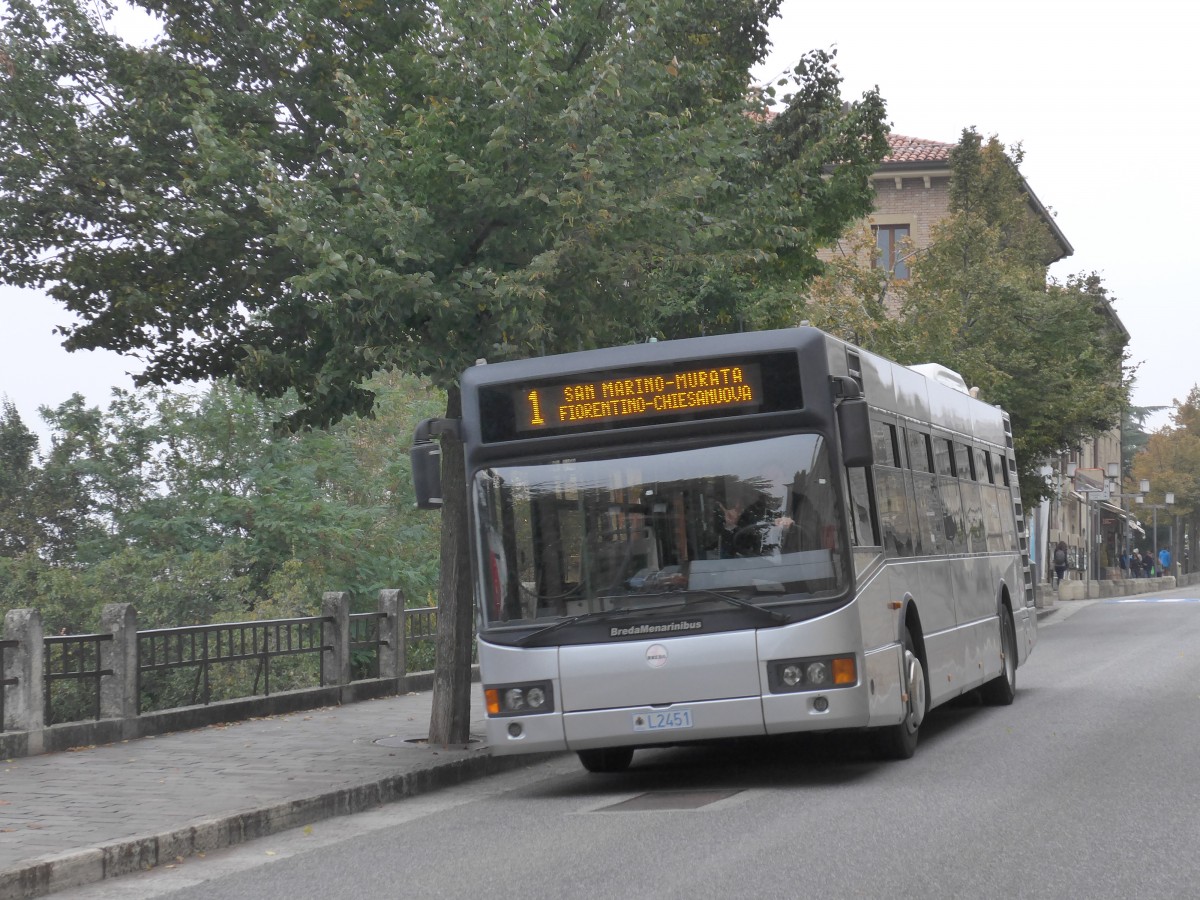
<point>519,699</point>
<point>788,675</point>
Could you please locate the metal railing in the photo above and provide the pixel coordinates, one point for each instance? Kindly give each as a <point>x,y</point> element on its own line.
<point>201,647</point>
<point>123,672</point>
<point>420,624</point>
<point>11,681</point>
<point>74,658</point>
<point>367,640</point>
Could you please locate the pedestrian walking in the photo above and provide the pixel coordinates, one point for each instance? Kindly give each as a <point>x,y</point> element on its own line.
<point>1147,564</point>
<point>1123,562</point>
<point>1060,563</point>
<point>1135,563</point>
<point>1164,561</point>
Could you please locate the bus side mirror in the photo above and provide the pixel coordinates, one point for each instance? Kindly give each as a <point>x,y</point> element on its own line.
<point>426,457</point>
<point>854,426</point>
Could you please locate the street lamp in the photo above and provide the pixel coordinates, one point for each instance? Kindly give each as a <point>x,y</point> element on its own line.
<point>1112,475</point>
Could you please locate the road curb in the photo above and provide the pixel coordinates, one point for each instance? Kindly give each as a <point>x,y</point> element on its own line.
<point>45,875</point>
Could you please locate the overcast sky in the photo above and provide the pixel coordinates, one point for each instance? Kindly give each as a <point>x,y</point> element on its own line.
<point>1100,94</point>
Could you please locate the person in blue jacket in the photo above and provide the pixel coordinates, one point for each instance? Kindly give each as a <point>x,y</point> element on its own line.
<point>1164,561</point>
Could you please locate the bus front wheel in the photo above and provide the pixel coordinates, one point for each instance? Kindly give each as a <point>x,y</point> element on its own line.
<point>606,759</point>
<point>900,741</point>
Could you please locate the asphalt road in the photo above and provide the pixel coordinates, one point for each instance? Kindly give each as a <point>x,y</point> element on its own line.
<point>1087,786</point>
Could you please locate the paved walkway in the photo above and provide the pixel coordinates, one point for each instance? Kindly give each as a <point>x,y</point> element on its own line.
<point>77,817</point>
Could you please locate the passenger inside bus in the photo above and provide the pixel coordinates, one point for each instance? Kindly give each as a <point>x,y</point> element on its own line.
<point>748,526</point>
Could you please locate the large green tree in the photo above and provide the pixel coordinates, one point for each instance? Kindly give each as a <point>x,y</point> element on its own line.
<point>978,301</point>
<point>299,195</point>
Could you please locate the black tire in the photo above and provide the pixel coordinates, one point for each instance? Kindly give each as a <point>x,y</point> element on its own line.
<point>900,741</point>
<point>1001,690</point>
<point>606,760</point>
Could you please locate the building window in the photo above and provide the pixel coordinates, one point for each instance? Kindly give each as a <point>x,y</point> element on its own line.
<point>891,242</point>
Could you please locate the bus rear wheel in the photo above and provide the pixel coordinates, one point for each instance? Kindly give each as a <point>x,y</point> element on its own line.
<point>606,759</point>
<point>900,741</point>
<point>1001,690</point>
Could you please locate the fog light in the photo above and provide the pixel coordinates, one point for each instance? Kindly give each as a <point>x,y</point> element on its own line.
<point>821,704</point>
<point>514,729</point>
<point>791,675</point>
<point>818,673</point>
<point>514,698</point>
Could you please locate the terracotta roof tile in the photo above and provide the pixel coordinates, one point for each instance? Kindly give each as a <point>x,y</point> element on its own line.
<point>910,150</point>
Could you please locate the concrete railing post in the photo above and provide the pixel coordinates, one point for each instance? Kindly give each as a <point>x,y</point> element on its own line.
<point>336,636</point>
<point>391,629</point>
<point>25,701</point>
<point>119,691</point>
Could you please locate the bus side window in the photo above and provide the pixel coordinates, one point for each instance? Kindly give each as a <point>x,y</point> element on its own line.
<point>943,455</point>
<point>963,466</point>
<point>862,515</point>
<point>994,517</point>
<point>953,525</point>
<point>971,501</point>
<point>919,457</point>
<point>883,436</point>
<point>983,467</point>
<point>895,512</point>
<point>930,513</point>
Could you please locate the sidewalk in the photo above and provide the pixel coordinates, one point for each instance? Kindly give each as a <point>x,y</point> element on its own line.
<point>74,818</point>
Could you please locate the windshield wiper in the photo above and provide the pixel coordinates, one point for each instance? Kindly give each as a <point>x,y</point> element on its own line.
<point>774,616</point>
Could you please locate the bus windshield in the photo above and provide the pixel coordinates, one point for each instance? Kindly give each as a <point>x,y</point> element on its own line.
<point>756,521</point>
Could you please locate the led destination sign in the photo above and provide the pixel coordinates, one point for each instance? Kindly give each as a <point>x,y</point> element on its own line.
<point>629,396</point>
<point>625,395</point>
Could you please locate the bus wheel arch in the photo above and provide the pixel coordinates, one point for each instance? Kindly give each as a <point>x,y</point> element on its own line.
<point>899,741</point>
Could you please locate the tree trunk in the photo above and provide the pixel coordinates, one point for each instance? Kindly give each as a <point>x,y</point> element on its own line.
<point>450,721</point>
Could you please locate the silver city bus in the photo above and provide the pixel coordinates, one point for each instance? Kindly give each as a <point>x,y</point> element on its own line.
<point>745,534</point>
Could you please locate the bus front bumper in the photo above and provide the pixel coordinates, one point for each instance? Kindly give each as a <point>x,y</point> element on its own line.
<point>648,726</point>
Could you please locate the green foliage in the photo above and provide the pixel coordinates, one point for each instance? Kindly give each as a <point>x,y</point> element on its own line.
<point>17,479</point>
<point>196,510</point>
<point>978,301</point>
<point>301,198</point>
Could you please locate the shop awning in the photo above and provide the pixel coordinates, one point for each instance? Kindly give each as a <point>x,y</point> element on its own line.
<point>1108,509</point>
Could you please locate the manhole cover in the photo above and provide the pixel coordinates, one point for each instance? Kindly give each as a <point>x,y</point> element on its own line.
<point>667,800</point>
<point>393,740</point>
